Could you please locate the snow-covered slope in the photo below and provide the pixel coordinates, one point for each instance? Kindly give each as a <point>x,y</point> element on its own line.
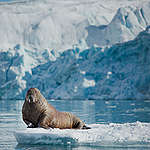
<point>61,24</point>
<point>125,26</point>
<point>119,72</point>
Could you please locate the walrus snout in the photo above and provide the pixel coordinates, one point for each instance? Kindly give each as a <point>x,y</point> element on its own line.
<point>30,98</point>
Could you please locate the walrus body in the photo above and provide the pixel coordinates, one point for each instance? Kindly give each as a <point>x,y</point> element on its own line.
<point>37,112</point>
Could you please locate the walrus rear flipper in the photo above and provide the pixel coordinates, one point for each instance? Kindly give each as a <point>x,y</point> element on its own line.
<point>85,127</point>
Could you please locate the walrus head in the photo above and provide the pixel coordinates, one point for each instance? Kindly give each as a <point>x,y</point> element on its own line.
<point>34,106</point>
<point>34,96</point>
<point>36,100</point>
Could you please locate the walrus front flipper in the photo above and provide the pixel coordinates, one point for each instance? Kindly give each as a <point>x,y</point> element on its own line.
<point>85,127</point>
<point>31,125</point>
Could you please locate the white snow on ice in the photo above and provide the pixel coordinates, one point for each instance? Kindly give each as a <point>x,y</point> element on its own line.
<point>124,135</point>
<point>61,24</point>
<point>88,83</point>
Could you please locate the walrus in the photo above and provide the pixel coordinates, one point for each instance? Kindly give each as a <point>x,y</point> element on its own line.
<point>37,112</point>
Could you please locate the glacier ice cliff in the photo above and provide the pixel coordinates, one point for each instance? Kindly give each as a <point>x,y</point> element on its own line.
<point>75,50</point>
<point>118,72</point>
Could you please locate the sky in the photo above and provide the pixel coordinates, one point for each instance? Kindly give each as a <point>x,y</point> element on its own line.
<point>5,0</point>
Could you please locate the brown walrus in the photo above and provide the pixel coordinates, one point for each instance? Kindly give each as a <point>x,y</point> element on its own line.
<point>37,112</point>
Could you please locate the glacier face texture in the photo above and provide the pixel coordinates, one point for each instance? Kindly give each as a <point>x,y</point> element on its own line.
<point>125,26</point>
<point>75,50</point>
<point>119,72</point>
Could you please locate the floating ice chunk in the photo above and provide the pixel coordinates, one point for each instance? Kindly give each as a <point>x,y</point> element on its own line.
<point>125,135</point>
<point>88,83</point>
<point>108,74</point>
<point>83,72</point>
<point>103,49</point>
<point>75,89</point>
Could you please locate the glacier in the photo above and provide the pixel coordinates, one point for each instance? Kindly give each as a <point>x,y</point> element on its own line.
<point>75,50</point>
<point>110,135</point>
<point>117,72</point>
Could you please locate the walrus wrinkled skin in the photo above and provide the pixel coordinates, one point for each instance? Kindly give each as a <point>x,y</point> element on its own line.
<point>37,112</point>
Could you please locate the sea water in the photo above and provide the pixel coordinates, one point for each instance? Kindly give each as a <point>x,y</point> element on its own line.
<point>116,121</point>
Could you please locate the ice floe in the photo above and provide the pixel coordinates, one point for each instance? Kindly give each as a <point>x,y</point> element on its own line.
<point>124,135</point>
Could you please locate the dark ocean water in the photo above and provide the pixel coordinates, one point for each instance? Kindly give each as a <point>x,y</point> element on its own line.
<point>92,112</point>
